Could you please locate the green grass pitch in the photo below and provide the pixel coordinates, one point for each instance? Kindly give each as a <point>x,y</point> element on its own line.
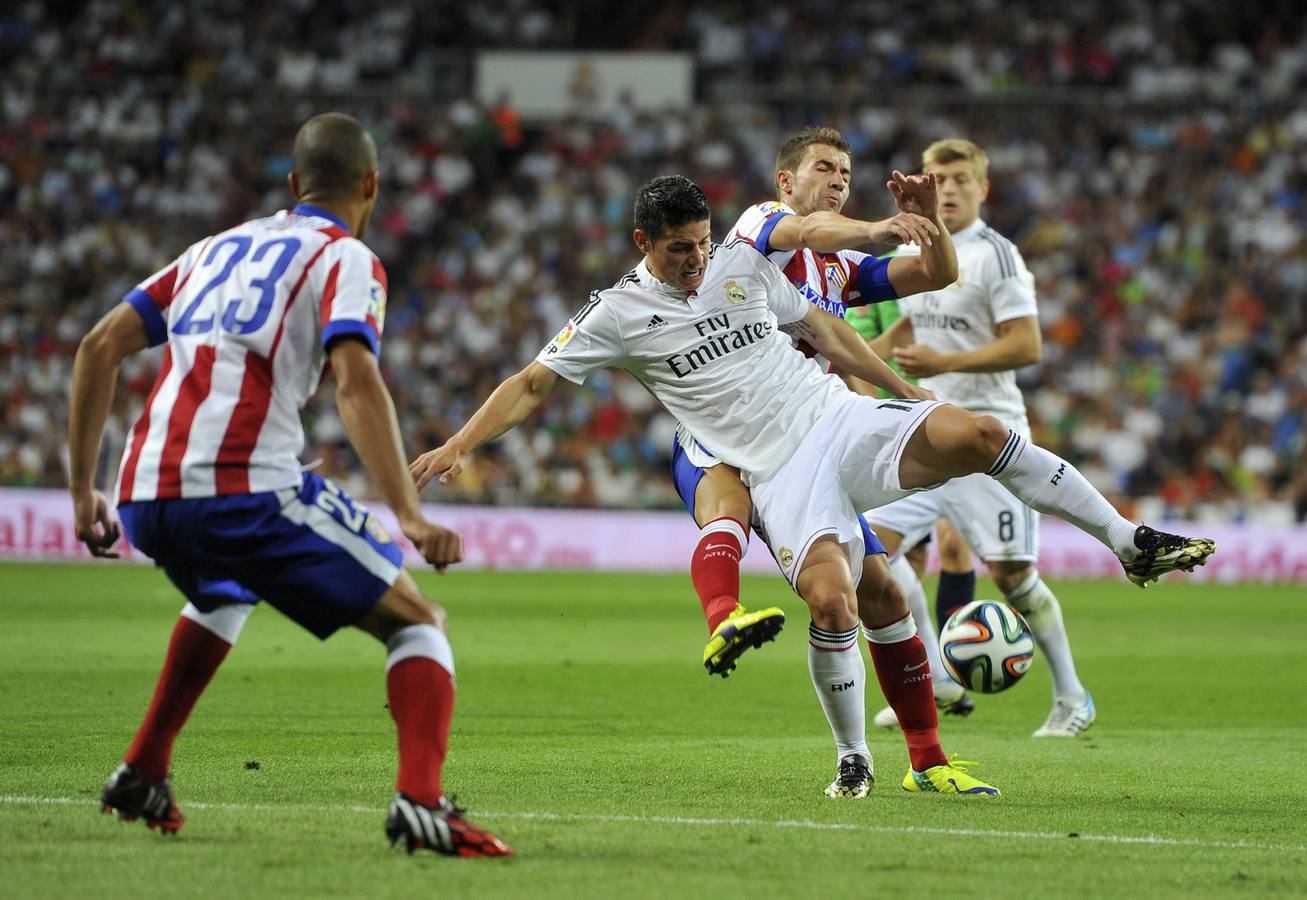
<point>589,737</point>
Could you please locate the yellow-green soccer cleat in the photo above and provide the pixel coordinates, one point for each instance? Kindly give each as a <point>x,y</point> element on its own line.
<point>740,631</point>
<point>1160,553</point>
<point>950,778</point>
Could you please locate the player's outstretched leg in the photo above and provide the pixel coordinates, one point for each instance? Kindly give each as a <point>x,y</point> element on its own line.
<point>420,691</point>
<point>952,442</point>
<point>140,787</point>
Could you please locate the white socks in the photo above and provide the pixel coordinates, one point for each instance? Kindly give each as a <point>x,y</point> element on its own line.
<point>840,678</point>
<point>1049,484</point>
<point>420,640</point>
<point>225,621</point>
<point>1036,602</point>
<point>910,584</point>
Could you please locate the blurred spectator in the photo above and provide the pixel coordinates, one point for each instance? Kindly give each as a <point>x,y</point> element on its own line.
<point>1150,159</point>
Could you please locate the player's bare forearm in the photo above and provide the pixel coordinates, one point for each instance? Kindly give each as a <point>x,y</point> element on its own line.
<point>1018,344</point>
<point>933,270</point>
<point>837,341</point>
<point>827,232</point>
<point>899,334</point>
<point>509,404</point>
<point>368,415</point>
<point>95,374</point>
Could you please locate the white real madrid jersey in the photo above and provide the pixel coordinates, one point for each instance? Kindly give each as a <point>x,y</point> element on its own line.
<point>993,286</point>
<point>715,357</point>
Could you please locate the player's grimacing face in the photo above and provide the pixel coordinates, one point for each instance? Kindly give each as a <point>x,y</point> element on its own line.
<point>680,256</point>
<point>960,193</point>
<point>821,182</point>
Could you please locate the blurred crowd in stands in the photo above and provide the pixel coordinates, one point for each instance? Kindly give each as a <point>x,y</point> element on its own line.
<point>1150,160</point>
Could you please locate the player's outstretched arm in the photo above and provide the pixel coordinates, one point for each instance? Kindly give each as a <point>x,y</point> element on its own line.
<point>368,415</point>
<point>827,232</point>
<point>95,374</point>
<point>508,405</point>
<point>837,341</point>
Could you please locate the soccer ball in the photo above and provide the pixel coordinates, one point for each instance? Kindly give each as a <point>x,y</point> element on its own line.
<point>986,646</point>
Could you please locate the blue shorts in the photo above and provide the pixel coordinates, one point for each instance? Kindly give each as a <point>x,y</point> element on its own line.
<point>686,476</point>
<point>311,552</point>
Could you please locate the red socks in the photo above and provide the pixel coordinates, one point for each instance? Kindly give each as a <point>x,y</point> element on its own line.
<point>194,654</point>
<point>904,677</point>
<point>421,694</point>
<point>715,568</point>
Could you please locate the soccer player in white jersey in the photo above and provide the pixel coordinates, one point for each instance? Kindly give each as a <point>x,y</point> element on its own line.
<point>211,489</point>
<point>965,343</point>
<point>707,330</point>
<point>804,233</point>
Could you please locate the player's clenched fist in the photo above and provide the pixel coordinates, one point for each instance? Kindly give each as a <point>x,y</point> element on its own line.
<point>438,545</point>
<point>445,462</point>
<point>95,527</point>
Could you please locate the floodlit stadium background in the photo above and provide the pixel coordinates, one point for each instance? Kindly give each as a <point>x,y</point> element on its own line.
<point>1150,160</point>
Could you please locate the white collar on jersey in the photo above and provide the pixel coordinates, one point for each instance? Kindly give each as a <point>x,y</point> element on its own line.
<point>972,230</point>
<point>650,282</point>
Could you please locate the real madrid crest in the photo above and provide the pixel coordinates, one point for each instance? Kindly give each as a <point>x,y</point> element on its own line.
<point>734,293</point>
<point>787,557</point>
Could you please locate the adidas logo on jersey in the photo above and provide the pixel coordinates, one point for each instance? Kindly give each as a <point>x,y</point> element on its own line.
<point>655,322</point>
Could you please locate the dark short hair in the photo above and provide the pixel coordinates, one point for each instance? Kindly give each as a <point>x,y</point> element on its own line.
<point>790,156</point>
<point>667,202</point>
<point>333,153</point>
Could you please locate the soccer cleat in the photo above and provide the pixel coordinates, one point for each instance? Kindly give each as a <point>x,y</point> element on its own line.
<point>855,778</point>
<point>740,631</point>
<point>1069,717</point>
<point>950,778</point>
<point>132,797</point>
<point>951,699</point>
<point>1160,553</point>
<point>441,828</point>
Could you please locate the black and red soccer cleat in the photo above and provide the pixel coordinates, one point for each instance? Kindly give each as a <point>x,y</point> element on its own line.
<point>132,797</point>
<point>441,828</point>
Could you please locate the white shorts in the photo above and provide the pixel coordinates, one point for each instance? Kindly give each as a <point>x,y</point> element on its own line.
<point>847,462</point>
<point>995,524</point>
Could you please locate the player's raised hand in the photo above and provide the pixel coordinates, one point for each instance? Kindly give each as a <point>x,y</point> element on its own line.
<point>444,462</point>
<point>438,545</point>
<point>914,193</point>
<point>95,527</point>
<point>904,228</point>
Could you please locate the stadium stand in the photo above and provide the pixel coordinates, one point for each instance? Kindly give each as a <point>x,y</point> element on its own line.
<point>1158,190</point>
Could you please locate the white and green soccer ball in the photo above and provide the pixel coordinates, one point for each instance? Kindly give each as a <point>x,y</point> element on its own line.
<point>986,646</point>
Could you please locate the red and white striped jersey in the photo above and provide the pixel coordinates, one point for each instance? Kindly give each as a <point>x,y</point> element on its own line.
<point>247,315</point>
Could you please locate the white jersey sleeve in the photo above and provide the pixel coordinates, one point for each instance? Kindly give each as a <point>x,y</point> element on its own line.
<point>591,340</point>
<point>1011,286</point>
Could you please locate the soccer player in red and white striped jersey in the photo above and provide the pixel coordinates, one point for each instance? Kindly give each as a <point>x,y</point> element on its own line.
<point>211,487</point>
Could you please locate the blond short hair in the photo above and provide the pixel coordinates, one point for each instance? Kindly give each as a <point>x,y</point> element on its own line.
<point>951,150</point>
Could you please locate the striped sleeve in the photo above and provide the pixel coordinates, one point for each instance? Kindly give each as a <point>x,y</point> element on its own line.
<point>353,293</point>
<point>152,297</point>
<point>1011,286</point>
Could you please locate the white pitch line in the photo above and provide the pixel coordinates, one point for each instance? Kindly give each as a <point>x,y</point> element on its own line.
<point>1144,840</point>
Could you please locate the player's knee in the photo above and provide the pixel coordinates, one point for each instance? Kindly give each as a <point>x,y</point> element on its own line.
<point>1015,580</point>
<point>990,437</point>
<point>831,605</point>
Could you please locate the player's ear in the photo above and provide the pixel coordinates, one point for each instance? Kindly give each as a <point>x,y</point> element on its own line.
<point>784,181</point>
<point>370,184</point>
<point>642,241</point>
<point>984,190</point>
<point>293,180</point>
